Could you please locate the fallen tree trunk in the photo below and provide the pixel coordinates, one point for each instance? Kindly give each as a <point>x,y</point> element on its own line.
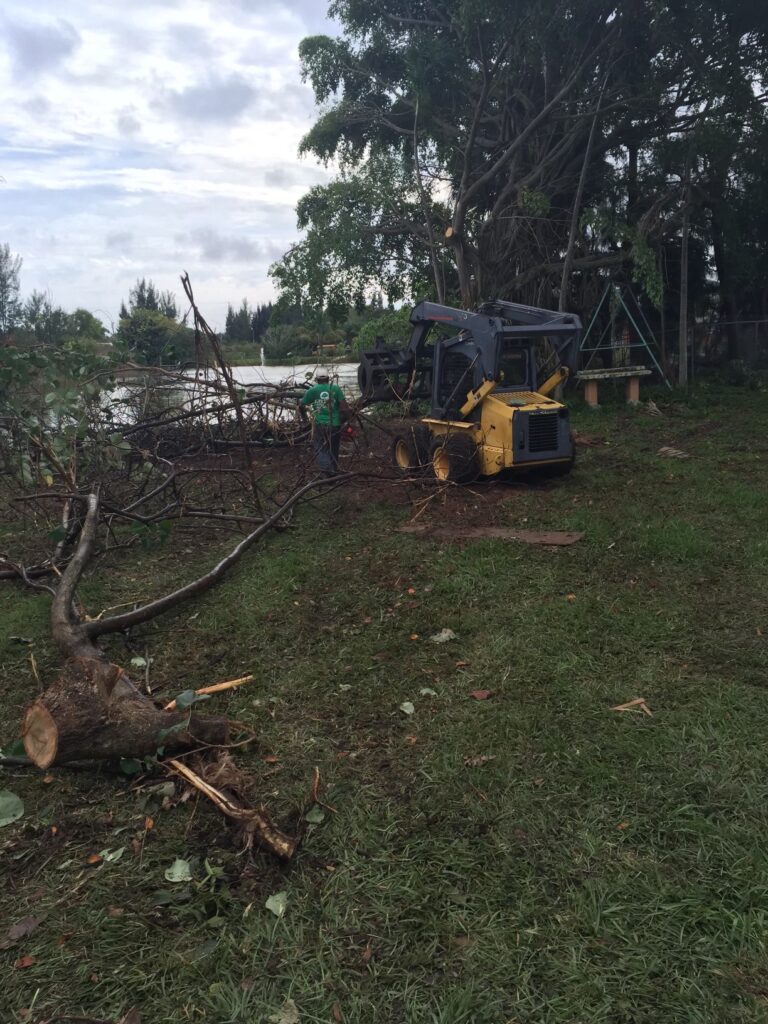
<point>93,710</point>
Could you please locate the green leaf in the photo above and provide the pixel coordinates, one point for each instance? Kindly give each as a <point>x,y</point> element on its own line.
<point>287,1014</point>
<point>129,765</point>
<point>202,951</point>
<point>179,727</point>
<point>16,749</point>
<point>315,815</point>
<point>138,662</point>
<point>179,871</point>
<point>407,707</point>
<point>277,903</point>
<point>427,691</point>
<point>11,807</point>
<point>110,856</point>
<point>160,789</point>
<point>163,897</point>
<point>188,697</point>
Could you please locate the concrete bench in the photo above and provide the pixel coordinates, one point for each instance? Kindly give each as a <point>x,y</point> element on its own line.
<point>631,374</point>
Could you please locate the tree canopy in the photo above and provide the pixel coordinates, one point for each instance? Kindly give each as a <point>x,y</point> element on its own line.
<point>527,149</point>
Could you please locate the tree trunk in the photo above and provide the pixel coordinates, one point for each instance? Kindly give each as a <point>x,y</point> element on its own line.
<point>682,369</point>
<point>727,307</point>
<point>462,267</point>
<point>94,712</point>
<point>577,201</point>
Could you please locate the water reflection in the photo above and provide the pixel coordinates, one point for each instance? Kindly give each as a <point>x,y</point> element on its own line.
<point>343,374</point>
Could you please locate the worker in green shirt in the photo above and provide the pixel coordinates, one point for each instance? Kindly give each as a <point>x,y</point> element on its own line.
<point>329,410</point>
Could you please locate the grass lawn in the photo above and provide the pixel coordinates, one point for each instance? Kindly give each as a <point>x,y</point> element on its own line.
<point>599,867</point>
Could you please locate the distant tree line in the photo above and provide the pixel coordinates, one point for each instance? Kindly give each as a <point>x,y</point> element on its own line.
<point>37,320</point>
<point>247,323</point>
<point>151,331</point>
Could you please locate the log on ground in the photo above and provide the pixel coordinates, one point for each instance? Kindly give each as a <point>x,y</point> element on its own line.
<point>94,711</point>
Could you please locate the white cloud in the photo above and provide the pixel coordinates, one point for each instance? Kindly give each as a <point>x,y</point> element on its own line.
<point>37,48</point>
<point>151,138</point>
<point>217,99</point>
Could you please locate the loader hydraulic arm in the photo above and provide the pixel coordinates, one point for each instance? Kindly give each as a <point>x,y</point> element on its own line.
<point>474,398</point>
<point>387,373</point>
<point>560,376</point>
<point>482,328</point>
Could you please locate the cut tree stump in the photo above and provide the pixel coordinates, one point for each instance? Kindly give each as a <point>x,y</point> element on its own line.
<point>94,712</point>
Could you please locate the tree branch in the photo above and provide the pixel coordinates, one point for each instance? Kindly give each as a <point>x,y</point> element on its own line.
<point>67,631</point>
<point>149,611</point>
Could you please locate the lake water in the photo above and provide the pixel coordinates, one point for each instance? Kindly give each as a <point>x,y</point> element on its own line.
<point>172,395</point>
<point>343,374</point>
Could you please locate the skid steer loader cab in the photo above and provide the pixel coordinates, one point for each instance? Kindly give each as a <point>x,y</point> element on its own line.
<point>489,384</point>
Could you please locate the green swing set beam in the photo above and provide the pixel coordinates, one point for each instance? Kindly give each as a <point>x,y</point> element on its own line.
<point>641,344</point>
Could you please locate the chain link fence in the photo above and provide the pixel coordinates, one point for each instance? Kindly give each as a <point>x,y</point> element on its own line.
<point>727,341</point>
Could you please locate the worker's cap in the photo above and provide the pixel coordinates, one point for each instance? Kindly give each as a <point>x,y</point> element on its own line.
<point>322,375</point>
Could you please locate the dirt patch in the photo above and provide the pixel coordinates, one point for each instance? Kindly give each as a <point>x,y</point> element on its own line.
<point>549,538</point>
<point>375,480</point>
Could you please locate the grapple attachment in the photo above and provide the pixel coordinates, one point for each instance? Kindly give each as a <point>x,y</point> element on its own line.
<point>393,374</point>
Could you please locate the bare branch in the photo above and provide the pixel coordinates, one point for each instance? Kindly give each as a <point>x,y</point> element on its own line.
<point>67,631</point>
<point>149,611</point>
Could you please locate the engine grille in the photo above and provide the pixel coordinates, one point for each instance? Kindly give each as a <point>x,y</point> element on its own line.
<point>542,432</point>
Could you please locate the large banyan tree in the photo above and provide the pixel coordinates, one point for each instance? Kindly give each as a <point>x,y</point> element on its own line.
<point>521,147</point>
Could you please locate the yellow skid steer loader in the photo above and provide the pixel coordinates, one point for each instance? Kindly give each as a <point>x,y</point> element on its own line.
<point>490,392</point>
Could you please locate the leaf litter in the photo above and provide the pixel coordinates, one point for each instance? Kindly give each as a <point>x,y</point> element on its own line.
<point>288,1014</point>
<point>443,637</point>
<point>277,903</point>
<point>637,706</point>
<point>11,807</point>
<point>478,760</point>
<point>20,930</point>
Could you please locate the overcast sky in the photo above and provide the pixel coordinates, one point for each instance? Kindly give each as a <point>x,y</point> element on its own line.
<point>150,137</point>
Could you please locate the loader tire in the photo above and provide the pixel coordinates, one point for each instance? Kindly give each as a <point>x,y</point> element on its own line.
<point>455,459</point>
<point>410,449</point>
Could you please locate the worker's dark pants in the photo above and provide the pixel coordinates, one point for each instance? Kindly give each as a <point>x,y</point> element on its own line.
<point>326,440</point>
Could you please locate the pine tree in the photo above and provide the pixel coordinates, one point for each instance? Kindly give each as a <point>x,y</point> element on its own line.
<point>10,308</point>
<point>229,324</point>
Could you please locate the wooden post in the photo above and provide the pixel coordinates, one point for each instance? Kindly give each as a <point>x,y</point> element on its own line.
<point>590,393</point>
<point>633,390</point>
